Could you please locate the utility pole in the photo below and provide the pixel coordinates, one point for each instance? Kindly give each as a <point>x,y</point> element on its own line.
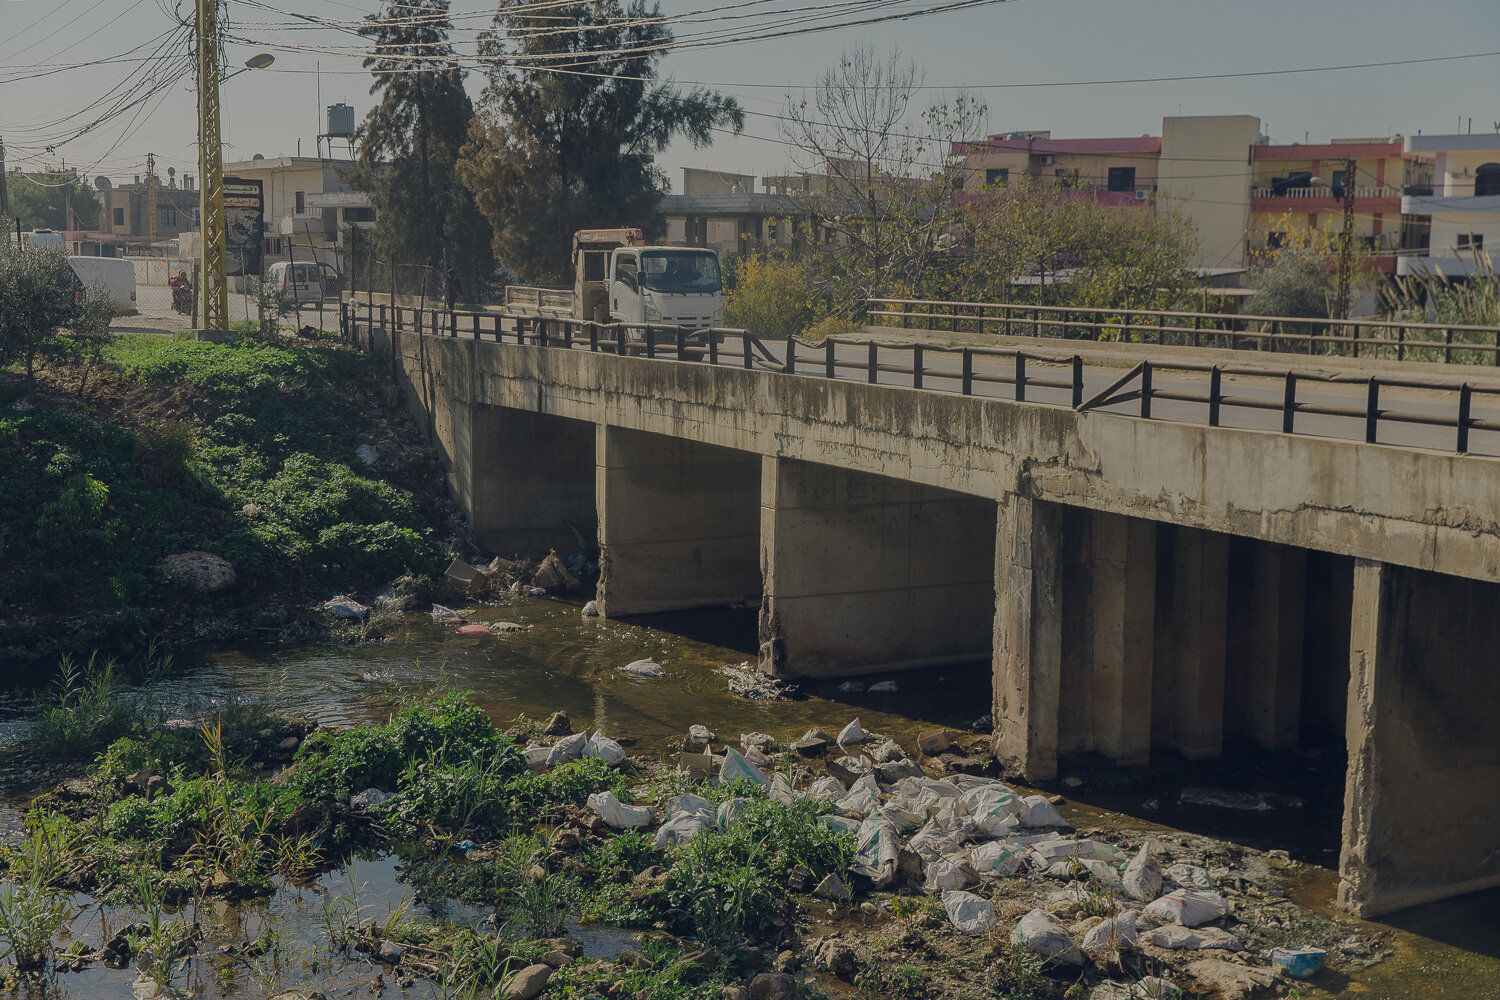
<point>4,193</point>
<point>1346,242</point>
<point>213,273</point>
<point>151,196</point>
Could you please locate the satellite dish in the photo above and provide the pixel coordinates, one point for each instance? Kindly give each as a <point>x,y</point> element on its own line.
<point>258,156</point>
<point>102,183</point>
<point>171,171</point>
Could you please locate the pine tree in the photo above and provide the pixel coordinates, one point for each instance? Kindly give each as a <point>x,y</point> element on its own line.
<point>570,124</point>
<point>409,146</point>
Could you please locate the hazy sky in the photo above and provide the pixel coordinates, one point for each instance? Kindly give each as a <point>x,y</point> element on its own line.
<point>1038,49</point>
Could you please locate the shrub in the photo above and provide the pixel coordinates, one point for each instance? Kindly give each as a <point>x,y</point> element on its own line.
<point>773,297</point>
<point>379,550</point>
<point>831,326</point>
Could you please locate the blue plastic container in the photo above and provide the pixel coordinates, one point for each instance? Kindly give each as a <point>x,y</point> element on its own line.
<point>1299,963</point>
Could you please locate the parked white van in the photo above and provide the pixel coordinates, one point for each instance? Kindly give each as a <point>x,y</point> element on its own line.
<point>115,275</point>
<point>305,281</point>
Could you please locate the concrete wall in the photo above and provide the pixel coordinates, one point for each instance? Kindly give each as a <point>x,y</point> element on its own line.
<point>1422,805</point>
<point>866,573</point>
<point>531,484</point>
<point>679,523</point>
<point>1216,200</point>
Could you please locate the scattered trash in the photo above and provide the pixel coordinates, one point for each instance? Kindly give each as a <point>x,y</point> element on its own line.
<point>933,742</point>
<point>1142,879</point>
<point>446,616</point>
<point>467,578</point>
<point>367,453</point>
<point>1191,877</point>
<point>851,687</point>
<point>644,668</point>
<point>345,607</point>
<point>852,733</point>
<point>983,724</point>
<point>879,845</point>
<point>884,687</point>
<point>969,913</point>
<point>1040,813</point>
<point>1246,801</point>
<point>604,748</point>
<point>1299,963</point>
<point>566,749</point>
<point>465,845</point>
<point>1113,932</point>
<point>474,630</point>
<point>1041,932</point>
<point>1175,936</point>
<point>700,734</point>
<point>736,766</point>
<point>367,798</point>
<point>760,741</point>
<point>687,816</point>
<point>1189,907</point>
<point>500,628</point>
<point>616,813</point>
<point>699,765</point>
<point>553,577</point>
<point>591,610</point>
<point>745,682</point>
<point>813,743</point>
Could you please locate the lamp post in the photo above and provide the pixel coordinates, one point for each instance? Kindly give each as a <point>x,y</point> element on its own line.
<point>213,267</point>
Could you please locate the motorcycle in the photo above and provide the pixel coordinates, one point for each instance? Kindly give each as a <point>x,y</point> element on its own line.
<point>182,295</point>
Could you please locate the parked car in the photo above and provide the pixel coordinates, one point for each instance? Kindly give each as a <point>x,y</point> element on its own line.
<point>113,275</point>
<point>305,281</point>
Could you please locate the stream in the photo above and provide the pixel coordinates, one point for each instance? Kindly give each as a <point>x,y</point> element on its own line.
<point>562,660</point>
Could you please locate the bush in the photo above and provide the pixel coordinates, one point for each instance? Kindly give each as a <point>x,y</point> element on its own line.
<point>831,326</point>
<point>773,297</point>
<point>379,550</point>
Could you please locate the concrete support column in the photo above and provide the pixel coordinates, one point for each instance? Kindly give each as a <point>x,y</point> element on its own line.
<point>1278,601</point>
<point>525,479</point>
<point>864,573</point>
<point>1200,604</point>
<point>1124,599</point>
<point>1028,637</point>
<point>679,523</point>
<point>1422,796</point>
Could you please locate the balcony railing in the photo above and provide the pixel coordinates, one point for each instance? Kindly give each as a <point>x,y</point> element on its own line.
<point>1323,191</point>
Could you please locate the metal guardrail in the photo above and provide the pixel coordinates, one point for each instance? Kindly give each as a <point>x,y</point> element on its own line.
<point>1356,338</point>
<point>911,364</point>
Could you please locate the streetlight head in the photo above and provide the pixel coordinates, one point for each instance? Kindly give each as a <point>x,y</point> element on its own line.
<point>260,61</point>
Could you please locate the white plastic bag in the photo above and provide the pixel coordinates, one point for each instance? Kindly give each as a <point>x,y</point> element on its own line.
<point>1191,877</point>
<point>644,668</point>
<point>969,913</point>
<point>879,846</point>
<point>1199,938</point>
<point>827,788</point>
<point>1039,812</point>
<point>995,809</point>
<point>949,873</point>
<point>998,857</point>
<point>736,766</point>
<point>1041,932</point>
<point>1142,879</point>
<point>616,813</point>
<point>842,824</point>
<point>604,748</point>
<point>729,811</point>
<point>860,799</point>
<point>1189,907</point>
<point>566,749</point>
<point>852,733</point>
<point>1115,932</point>
<point>537,754</point>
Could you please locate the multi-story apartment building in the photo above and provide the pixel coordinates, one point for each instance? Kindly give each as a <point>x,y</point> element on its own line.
<point>1461,207</point>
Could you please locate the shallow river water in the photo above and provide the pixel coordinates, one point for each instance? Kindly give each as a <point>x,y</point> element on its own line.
<point>561,660</point>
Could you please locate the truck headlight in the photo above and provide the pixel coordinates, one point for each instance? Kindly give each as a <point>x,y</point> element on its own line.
<point>653,314</point>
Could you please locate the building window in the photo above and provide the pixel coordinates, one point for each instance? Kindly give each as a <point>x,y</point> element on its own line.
<point>169,216</point>
<point>998,175</point>
<point>1339,177</point>
<point>1487,180</point>
<point>1471,241</point>
<point>119,217</point>
<point>360,214</point>
<point>1122,178</point>
<point>1275,241</point>
<point>301,203</point>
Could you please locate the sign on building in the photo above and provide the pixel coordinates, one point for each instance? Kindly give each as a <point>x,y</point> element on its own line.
<point>244,224</point>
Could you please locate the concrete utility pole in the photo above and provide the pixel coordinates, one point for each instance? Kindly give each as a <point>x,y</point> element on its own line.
<point>151,196</point>
<point>1346,242</point>
<point>4,193</point>
<point>213,272</point>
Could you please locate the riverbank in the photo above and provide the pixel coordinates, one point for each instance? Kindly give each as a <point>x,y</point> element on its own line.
<point>194,492</point>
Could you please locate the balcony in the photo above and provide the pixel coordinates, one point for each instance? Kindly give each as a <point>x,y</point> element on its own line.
<point>1323,192</point>
<point>1434,204</point>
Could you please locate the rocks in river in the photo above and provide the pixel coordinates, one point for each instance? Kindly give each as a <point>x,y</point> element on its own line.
<point>775,986</point>
<point>644,668</point>
<point>203,571</point>
<point>553,577</point>
<point>390,952</point>
<point>701,735</point>
<point>813,743</point>
<point>527,983</point>
<point>558,725</point>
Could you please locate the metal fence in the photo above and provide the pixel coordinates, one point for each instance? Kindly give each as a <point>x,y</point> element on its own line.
<point>971,370</point>
<point>1353,338</point>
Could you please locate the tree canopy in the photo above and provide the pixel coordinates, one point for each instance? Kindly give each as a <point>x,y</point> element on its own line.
<point>569,126</point>
<point>409,145</point>
<point>42,200</point>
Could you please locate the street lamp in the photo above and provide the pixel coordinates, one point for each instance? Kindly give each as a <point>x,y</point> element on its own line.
<point>259,61</point>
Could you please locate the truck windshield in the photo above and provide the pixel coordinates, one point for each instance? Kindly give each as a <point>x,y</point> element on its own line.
<point>680,270</point>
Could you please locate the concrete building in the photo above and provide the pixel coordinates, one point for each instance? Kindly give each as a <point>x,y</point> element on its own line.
<point>1111,171</point>
<point>1462,207</point>
<point>1205,177</point>
<point>123,211</point>
<point>307,205</point>
<point>724,212</point>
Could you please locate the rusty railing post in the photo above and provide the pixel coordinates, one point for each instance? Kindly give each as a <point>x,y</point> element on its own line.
<point>1372,411</point>
<point>968,376</point>
<point>1289,404</point>
<point>1464,402</point>
<point>917,367</point>
<point>1020,376</point>
<point>1215,394</point>
<point>828,369</point>
<point>1077,381</point>
<point>1146,390</point>
<point>874,363</point>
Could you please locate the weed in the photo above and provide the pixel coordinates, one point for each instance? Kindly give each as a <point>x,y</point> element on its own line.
<point>31,913</point>
<point>542,903</point>
<point>85,710</point>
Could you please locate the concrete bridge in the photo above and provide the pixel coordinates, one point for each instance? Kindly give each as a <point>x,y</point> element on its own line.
<point>1136,583</point>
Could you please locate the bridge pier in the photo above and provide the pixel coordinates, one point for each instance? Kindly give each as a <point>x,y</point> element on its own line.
<point>864,574</point>
<point>1200,606</point>
<point>526,477</point>
<point>679,523</point>
<point>1422,799</point>
<point>1124,620</point>
<point>1278,610</point>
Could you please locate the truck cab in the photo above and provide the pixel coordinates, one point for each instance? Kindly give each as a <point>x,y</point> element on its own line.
<point>620,279</point>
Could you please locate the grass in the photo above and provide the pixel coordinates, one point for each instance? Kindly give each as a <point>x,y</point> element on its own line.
<point>242,450</point>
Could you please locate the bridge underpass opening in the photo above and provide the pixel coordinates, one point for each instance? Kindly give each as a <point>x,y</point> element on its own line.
<point>530,481</point>
<point>679,523</point>
<point>869,574</point>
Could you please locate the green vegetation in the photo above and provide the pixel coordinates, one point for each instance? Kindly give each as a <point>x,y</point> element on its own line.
<point>244,451</point>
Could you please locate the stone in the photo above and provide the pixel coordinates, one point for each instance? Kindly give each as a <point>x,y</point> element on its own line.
<point>553,577</point>
<point>569,947</point>
<point>774,986</point>
<point>700,735</point>
<point>389,952</point>
<point>833,887</point>
<point>888,751</point>
<point>734,993</point>
<point>786,961</point>
<point>841,961</point>
<point>203,571</point>
<point>634,959</point>
<point>702,959</point>
<point>557,959</point>
<point>157,785</point>
<point>558,725</point>
<point>527,983</point>
<point>289,744</point>
<point>1231,980</point>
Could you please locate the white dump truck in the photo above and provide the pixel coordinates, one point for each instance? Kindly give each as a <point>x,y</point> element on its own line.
<point>617,279</point>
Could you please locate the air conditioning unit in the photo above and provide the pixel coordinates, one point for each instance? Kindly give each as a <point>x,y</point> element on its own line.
<point>1142,194</point>
<point>1045,160</point>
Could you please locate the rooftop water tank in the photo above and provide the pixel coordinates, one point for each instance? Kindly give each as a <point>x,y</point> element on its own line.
<point>341,120</point>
